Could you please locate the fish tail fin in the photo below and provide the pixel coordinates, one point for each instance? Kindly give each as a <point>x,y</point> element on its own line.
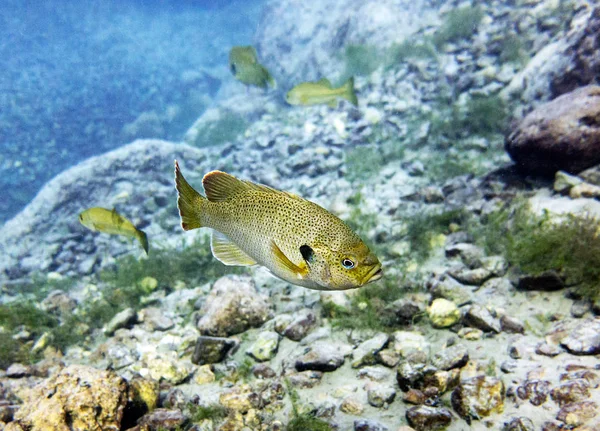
<point>189,202</point>
<point>143,239</point>
<point>272,82</point>
<point>349,91</point>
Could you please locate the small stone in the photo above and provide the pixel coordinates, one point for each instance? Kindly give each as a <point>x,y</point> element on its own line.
<point>471,334</point>
<point>352,406</point>
<point>519,424</point>
<point>406,311</point>
<point>478,397</point>
<point>155,320</point>
<point>496,265</point>
<point>448,288</point>
<point>424,418</point>
<point>580,307</point>
<point>584,190</point>
<point>165,367</point>
<point>163,419</point>
<point>470,254</point>
<point>305,379</point>
<point>376,374</point>
<point>232,306</point>
<point>406,342</point>
<point>536,391</point>
<point>474,277</point>
<point>584,339</point>
<point>17,371</point>
<point>509,366</point>
<point>368,425</point>
<point>210,350</point>
<point>571,392</point>
<point>547,281</point>
<point>451,357</point>
<point>443,313</point>
<point>577,414</point>
<point>321,357</point>
<point>511,325</point>
<point>480,317</point>
<point>300,326</point>
<point>563,181</point>
<point>547,349</point>
<point>265,346</point>
<point>365,353</point>
<point>263,371</point>
<point>414,396</point>
<point>123,319</point>
<point>381,395</point>
<point>388,357</point>
<point>441,380</point>
<point>238,399</point>
<point>409,375</point>
<point>204,375</point>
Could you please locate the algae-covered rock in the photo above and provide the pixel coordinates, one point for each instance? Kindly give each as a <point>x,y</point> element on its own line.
<point>232,306</point>
<point>76,398</point>
<point>265,346</point>
<point>478,397</point>
<point>443,313</point>
<point>210,350</point>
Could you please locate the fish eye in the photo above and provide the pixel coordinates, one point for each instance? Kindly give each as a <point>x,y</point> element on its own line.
<point>347,263</point>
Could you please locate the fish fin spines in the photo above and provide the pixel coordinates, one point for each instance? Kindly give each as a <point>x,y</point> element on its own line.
<point>227,252</point>
<point>350,93</point>
<point>189,202</point>
<point>143,238</point>
<point>220,186</point>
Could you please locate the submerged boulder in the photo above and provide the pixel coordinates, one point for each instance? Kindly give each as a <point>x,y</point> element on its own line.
<point>232,306</point>
<point>563,134</point>
<point>83,398</point>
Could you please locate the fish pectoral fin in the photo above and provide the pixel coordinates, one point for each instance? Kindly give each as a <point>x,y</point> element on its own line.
<point>300,271</point>
<point>227,252</point>
<point>333,103</point>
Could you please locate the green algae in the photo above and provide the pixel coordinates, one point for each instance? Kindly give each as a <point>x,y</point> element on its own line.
<point>200,413</point>
<point>360,60</point>
<point>535,243</point>
<point>459,24</point>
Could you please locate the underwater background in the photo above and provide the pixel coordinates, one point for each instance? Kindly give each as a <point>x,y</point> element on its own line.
<point>459,140</point>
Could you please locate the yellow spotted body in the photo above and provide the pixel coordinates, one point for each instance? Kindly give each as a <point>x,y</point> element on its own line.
<point>297,240</point>
<point>111,222</point>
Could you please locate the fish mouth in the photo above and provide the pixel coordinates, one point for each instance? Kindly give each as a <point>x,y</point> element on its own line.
<point>374,274</point>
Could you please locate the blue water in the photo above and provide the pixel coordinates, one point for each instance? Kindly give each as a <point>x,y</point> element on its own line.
<point>74,74</point>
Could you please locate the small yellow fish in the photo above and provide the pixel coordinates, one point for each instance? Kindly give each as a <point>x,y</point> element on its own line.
<point>297,240</point>
<point>315,93</point>
<point>107,221</point>
<point>243,63</point>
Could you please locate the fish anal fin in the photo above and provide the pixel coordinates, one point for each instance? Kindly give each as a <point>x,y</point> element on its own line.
<point>227,252</point>
<point>282,260</point>
<point>325,82</point>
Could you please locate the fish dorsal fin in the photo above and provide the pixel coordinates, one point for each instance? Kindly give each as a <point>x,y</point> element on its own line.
<point>220,186</point>
<point>325,82</point>
<point>298,271</point>
<point>227,252</point>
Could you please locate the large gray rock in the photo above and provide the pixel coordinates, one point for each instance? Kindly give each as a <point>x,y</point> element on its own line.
<point>232,306</point>
<point>300,41</point>
<point>562,65</point>
<point>563,134</point>
<point>137,179</point>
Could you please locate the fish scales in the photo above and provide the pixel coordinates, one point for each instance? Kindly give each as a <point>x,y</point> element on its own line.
<point>297,240</point>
